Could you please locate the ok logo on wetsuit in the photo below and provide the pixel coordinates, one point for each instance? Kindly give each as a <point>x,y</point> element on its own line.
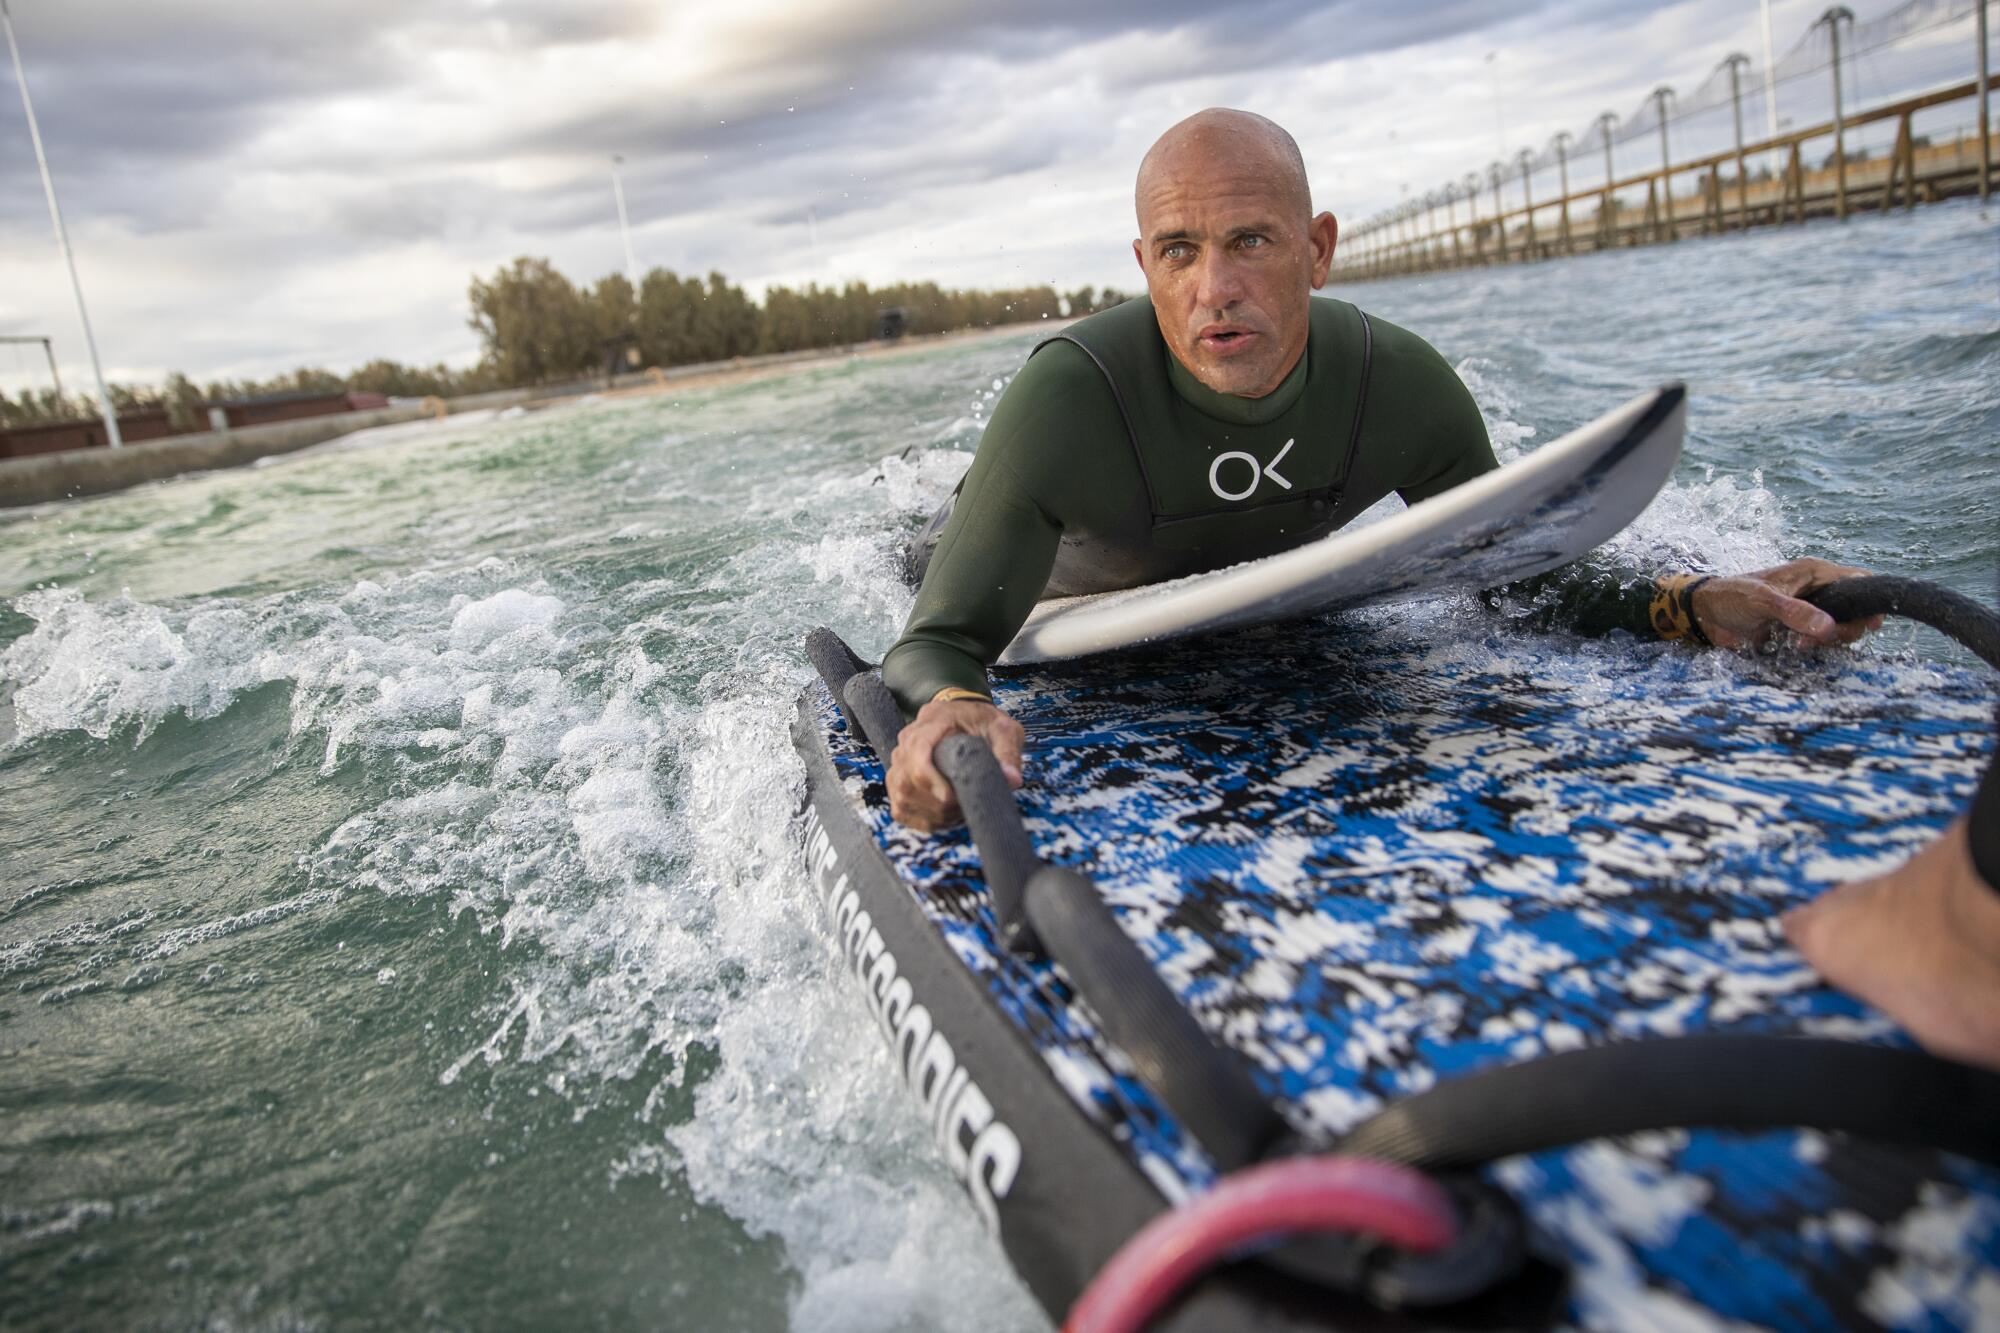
<point>1258,471</point>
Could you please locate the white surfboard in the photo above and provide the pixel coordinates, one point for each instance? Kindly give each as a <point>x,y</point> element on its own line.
<point>1528,517</point>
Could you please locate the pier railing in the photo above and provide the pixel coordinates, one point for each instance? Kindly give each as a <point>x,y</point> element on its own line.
<point>1769,181</point>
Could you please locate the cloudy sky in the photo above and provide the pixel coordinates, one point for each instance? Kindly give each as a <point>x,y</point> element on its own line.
<point>252,186</point>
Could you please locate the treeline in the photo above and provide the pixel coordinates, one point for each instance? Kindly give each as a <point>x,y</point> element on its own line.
<point>537,327</point>
<point>181,397</point>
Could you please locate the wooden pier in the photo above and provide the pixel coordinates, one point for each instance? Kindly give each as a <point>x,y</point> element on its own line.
<point>1725,196</point>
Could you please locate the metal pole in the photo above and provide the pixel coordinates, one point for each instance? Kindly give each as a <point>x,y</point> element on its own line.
<point>1736,63</point>
<point>1607,220</point>
<point>1472,213</point>
<point>48,352</point>
<point>1499,210</point>
<point>1985,130</point>
<point>1660,96</point>
<point>62,235</point>
<point>1451,221</point>
<point>624,229</point>
<point>1526,159</point>
<point>1562,166</point>
<point>1499,106</point>
<point>1832,19</point>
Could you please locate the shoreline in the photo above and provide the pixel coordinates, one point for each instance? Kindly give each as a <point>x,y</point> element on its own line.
<point>80,474</point>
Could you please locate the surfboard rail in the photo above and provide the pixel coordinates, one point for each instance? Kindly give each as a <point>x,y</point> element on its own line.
<point>1525,518</point>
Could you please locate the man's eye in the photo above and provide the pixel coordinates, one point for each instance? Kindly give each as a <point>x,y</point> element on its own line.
<point>1175,252</point>
<point>1252,241</point>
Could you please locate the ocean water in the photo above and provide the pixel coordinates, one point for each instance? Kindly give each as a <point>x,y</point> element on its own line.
<point>401,921</point>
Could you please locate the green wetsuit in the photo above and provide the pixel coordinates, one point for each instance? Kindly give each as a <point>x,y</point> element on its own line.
<point>1108,465</point>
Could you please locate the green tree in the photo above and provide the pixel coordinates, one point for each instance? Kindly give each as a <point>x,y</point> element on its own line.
<point>534,325</point>
<point>666,318</point>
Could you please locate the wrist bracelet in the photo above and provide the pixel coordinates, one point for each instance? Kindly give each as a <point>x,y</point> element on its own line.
<point>1672,609</point>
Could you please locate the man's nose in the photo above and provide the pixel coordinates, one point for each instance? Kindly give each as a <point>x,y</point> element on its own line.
<point>1217,283</point>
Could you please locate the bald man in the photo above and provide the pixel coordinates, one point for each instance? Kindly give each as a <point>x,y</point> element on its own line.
<point>1117,455</point>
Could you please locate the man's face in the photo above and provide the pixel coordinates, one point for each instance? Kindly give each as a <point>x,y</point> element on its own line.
<point>1231,261</point>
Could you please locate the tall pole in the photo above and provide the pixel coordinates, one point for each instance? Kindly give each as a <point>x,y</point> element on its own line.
<point>1832,19</point>
<point>1499,210</point>
<point>49,351</point>
<point>115,439</point>
<point>1985,130</point>
<point>624,228</point>
<point>1770,92</point>
<point>1660,96</point>
<point>1562,166</point>
<point>1736,62</point>
<point>1528,199</point>
<point>1472,213</point>
<point>1607,210</point>
<point>1499,107</point>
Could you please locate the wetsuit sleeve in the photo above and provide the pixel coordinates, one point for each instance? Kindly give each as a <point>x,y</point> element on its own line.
<point>1592,595</point>
<point>1036,462</point>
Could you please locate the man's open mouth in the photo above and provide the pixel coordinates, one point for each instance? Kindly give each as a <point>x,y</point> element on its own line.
<point>1225,338</point>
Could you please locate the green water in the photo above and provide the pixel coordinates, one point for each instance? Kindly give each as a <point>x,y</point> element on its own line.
<point>400,921</point>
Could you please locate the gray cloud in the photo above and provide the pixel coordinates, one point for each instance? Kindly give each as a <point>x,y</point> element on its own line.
<point>275,148</point>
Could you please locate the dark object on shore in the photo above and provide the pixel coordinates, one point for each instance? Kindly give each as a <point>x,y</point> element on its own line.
<point>891,324</point>
<point>621,354</point>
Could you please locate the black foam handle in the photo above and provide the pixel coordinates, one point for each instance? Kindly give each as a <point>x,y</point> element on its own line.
<point>869,703</point>
<point>837,664</point>
<point>1955,614</point>
<point>1005,851</point>
<point>1205,1086</point>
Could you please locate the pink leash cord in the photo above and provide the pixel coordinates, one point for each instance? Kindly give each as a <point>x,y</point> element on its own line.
<point>1254,1207</point>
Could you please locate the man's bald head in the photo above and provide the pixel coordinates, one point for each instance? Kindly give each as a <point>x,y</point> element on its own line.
<point>1230,248</point>
<point>1210,139</point>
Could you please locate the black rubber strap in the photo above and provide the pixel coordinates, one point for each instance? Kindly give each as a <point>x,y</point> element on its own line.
<point>1942,609</point>
<point>1709,1082</point>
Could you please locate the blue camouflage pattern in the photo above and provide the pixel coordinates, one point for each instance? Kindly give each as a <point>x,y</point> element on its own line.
<point>1369,859</point>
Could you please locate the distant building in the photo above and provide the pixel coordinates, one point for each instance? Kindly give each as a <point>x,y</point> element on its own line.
<point>237,413</point>
<point>153,424</point>
<point>54,437</point>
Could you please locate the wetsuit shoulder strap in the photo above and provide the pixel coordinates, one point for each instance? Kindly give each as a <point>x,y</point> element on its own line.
<point>1117,341</point>
<point>1343,348</point>
<point>1361,391</point>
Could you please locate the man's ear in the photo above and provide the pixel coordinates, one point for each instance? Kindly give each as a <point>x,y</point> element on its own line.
<point>1323,232</point>
<point>1139,255</point>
